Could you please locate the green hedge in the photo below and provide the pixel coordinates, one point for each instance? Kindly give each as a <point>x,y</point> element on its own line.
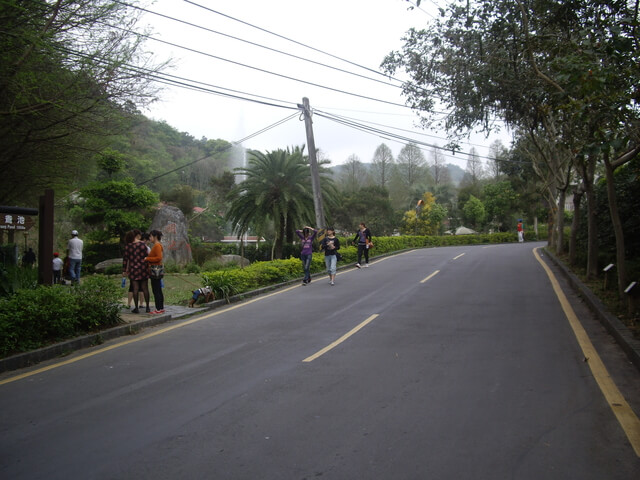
<point>34,318</point>
<point>228,282</point>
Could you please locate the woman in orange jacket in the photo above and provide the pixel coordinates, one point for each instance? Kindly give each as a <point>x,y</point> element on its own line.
<point>155,258</point>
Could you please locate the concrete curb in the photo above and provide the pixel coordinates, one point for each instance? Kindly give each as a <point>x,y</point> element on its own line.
<point>66,347</point>
<point>623,336</point>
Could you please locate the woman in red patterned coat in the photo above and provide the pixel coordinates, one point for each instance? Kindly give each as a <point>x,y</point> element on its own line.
<point>136,268</point>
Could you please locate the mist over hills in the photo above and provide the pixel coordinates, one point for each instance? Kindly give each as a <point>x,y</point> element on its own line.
<point>455,172</point>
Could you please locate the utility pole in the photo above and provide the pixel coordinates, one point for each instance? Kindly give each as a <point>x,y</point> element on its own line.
<point>315,176</point>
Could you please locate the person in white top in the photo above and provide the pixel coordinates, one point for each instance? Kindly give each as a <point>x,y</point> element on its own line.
<point>74,251</point>
<point>57,268</point>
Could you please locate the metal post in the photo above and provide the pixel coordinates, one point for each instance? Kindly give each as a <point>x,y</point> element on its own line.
<point>315,176</point>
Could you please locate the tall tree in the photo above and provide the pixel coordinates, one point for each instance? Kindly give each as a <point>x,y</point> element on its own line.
<point>68,75</point>
<point>382,165</point>
<point>426,218</point>
<point>498,155</point>
<point>501,204</point>
<point>530,62</point>
<point>353,174</point>
<point>114,205</point>
<point>277,187</point>
<point>411,165</point>
<point>439,169</point>
<point>474,171</point>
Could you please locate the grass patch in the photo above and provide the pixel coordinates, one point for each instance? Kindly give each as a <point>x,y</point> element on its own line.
<point>609,297</point>
<point>178,288</point>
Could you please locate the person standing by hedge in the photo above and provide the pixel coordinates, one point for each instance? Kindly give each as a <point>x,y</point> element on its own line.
<point>130,238</point>
<point>520,228</point>
<point>363,237</point>
<point>57,265</point>
<point>74,254</point>
<point>155,258</point>
<point>136,268</point>
<point>306,253</point>
<point>330,244</point>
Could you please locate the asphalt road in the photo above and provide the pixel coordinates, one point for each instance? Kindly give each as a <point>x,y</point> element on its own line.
<point>396,372</point>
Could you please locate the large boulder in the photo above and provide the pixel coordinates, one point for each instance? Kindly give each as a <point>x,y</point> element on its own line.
<point>173,225</point>
<point>103,266</point>
<point>237,259</point>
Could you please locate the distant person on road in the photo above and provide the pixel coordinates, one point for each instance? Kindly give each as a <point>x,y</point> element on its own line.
<point>74,253</point>
<point>520,231</point>
<point>330,244</point>
<point>57,268</point>
<point>307,234</point>
<point>136,268</point>
<point>155,258</point>
<point>363,237</point>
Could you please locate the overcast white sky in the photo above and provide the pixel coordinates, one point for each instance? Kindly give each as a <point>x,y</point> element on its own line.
<point>361,31</point>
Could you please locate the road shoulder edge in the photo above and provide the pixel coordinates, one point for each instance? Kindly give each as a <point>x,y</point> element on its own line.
<point>622,335</point>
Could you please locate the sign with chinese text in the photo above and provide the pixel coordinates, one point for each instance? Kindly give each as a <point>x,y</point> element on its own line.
<point>12,221</point>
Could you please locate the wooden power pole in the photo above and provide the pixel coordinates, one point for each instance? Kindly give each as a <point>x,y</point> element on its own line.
<point>315,175</point>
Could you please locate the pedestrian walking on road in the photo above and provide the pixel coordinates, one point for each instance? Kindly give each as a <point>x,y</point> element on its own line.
<point>155,261</point>
<point>330,244</point>
<point>307,234</point>
<point>363,237</point>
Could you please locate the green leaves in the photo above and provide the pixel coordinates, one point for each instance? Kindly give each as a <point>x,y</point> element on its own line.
<point>277,189</point>
<point>116,206</point>
<point>34,317</point>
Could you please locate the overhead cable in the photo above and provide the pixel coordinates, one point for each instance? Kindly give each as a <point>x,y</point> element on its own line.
<point>297,57</point>
<point>200,52</point>
<point>289,39</point>
<point>232,144</point>
<point>394,137</point>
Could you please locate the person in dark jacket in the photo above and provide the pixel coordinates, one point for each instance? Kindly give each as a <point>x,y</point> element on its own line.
<point>29,258</point>
<point>330,244</point>
<point>363,237</point>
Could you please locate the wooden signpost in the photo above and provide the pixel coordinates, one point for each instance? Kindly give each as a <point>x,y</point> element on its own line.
<point>20,219</point>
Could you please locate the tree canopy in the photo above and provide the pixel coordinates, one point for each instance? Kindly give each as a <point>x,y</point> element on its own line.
<point>68,75</point>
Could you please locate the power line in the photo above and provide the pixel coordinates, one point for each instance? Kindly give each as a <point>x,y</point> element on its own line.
<point>405,130</point>
<point>184,22</point>
<point>200,52</point>
<point>182,82</point>
<point>233,144</point>
<point>394,137</point>
<point>277,51</point>
<point>350,122</point>
<point>288,39</point>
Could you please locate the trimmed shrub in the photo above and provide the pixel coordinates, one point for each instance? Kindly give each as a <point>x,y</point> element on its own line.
<point>98,301</point>
<point>34,317</point>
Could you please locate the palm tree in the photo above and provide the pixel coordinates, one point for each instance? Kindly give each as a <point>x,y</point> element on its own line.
<point>277,188</point>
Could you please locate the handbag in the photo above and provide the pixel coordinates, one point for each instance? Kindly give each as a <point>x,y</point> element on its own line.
<point>156,271</point>
<point>338,257</point>
<point>369,244</point>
